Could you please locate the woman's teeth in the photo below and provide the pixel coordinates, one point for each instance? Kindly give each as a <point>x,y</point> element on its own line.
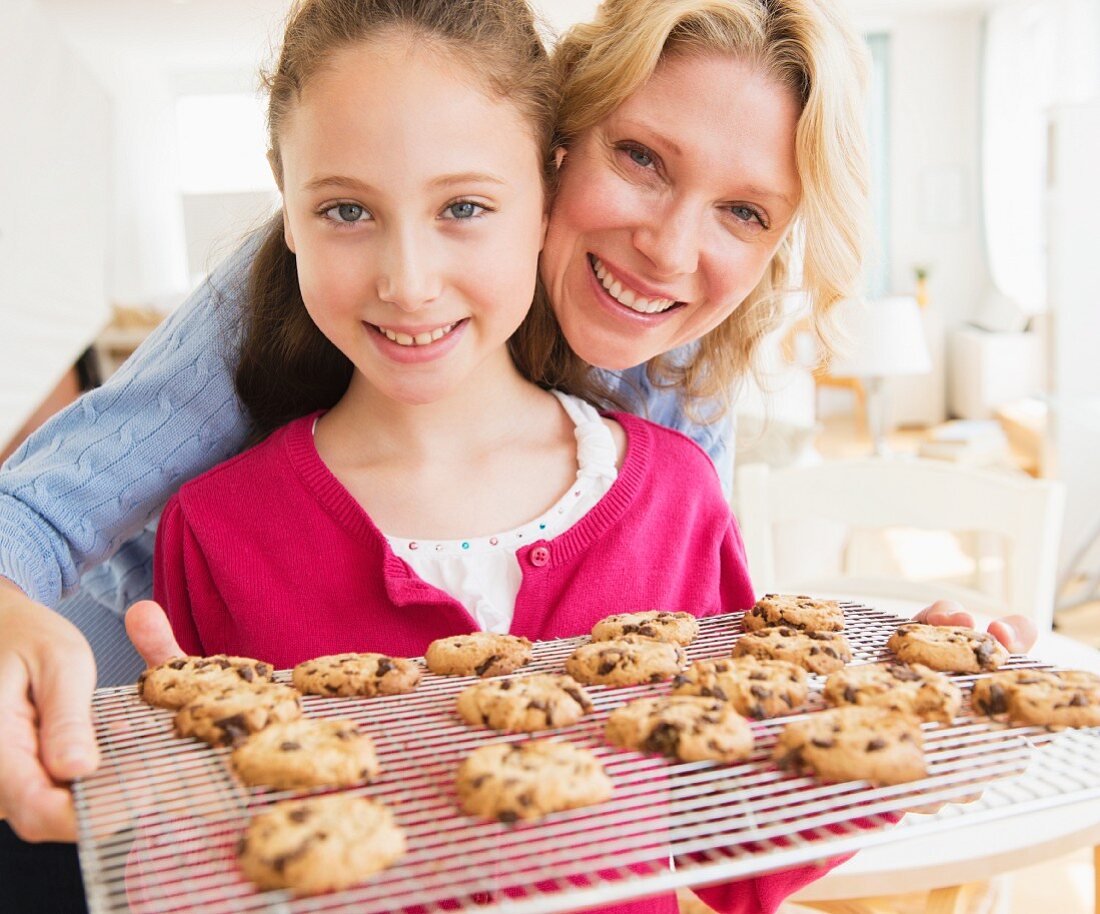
<point>625,296</point>
<point>421,339</point>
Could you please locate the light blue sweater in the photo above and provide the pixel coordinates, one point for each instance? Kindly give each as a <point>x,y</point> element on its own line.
<point>80,500</point>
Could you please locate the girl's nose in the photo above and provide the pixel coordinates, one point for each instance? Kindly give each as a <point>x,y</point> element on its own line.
<point>408,276</point>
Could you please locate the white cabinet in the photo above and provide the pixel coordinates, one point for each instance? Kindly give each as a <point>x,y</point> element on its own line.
<point>989,369</point>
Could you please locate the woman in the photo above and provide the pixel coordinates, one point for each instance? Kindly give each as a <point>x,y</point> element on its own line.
<point>670,241</point>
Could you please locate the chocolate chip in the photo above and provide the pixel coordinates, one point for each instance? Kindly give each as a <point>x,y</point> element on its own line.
<point>482,668</point>
<point>606,667</point>
<point>756,712</point>
<point>384,666</point>
<point>759,692</point>
<point>983,652</point>
<point>506,685</point>
<point>996,702</point>
<point>245,672</point>
<point>290,746</point>
<point>851,695</point>
<point>235,727</point>
<point>823,743</point>
<point>876,744</point>
<point>300,814</point>
<point>903,673</point>
<point>664,739</point>
<point>177,664</point>
<point>1078,700</point>
<point>507,816</point>
<point>832,653</point>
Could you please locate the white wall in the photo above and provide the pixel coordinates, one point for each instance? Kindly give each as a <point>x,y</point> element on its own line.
<point>55,177</point>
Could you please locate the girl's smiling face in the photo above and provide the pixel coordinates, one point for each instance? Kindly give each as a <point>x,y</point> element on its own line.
<point>670,209</point>
<point>414,204</point>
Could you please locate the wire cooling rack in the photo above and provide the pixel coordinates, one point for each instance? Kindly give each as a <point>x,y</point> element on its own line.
<point>160,819</point>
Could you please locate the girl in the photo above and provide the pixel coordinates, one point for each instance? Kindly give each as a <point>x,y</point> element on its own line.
<point>410,141</point>
<point>414,479</point>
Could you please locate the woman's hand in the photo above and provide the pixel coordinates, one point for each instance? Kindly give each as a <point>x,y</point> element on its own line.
<point>47,674</point>
<point>1017,633</point>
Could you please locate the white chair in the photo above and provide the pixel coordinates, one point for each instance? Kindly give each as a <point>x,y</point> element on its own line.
<point>1025,514</point>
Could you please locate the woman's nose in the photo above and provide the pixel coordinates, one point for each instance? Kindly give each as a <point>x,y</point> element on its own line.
<point>670,240</point>
<point>408,275</point>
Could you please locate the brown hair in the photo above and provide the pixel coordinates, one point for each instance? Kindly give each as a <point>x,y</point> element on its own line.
<point>287,367</point>
<point>808,48</point>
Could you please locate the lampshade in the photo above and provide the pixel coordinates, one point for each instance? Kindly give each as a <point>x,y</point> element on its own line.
<point>884,337</point>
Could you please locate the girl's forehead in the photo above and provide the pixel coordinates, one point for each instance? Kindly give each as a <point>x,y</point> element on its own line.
<point>385,105</point>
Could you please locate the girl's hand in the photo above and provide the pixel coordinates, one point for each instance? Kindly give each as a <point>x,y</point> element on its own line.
<point>151,634</point>
<point>1017,633</point>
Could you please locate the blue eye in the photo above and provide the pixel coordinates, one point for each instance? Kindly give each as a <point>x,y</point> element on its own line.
<point>747,214</point>
<point>465,209</point>
<point>639,157</point>
<point>347,213</point>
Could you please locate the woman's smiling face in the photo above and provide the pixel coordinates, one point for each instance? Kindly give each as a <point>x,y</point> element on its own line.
<point>670,209</point>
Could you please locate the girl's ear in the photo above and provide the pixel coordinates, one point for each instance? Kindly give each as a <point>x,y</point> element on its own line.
<point>276,173</point>
<point>559,156</point>
<point>288,235</point>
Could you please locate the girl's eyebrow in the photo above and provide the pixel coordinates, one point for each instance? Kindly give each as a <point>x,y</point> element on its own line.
<point>465,177</point>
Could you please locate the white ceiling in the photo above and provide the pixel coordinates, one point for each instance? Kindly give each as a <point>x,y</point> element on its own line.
<point>207,35</point>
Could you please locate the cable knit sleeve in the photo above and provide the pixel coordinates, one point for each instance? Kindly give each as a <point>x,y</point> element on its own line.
<point>711,426</point>
<point>93,476</point>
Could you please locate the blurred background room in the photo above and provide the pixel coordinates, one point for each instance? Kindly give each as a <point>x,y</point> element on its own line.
<point>132,161</point>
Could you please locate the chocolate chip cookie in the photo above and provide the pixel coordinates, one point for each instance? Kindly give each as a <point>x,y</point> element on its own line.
<point>677,628</point>
<point>755,688</point>
<point>223,717</point>
<point>511,781</point>
<point>688,727</point>
<point>948,648</point>
<point>306,753</point>
<point>798,612</point>
<point>319,844</point>
<point>1046,698</point>
<point>818,652</point>
<point>850,744</point>
<point>356,674</point>
<point>175,682</point>
<point>914,689</point>
<point>626,661</point>
<point>526,704</point>
<point>478,654</point>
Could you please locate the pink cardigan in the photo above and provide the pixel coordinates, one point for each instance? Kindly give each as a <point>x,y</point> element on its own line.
<point>267,555</point>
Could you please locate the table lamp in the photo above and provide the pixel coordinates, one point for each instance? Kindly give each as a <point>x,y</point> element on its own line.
<point>884,338</point>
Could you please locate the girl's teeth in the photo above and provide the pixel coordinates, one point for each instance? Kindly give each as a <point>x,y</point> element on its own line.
<point>421,339</point>
<point>626,296</point>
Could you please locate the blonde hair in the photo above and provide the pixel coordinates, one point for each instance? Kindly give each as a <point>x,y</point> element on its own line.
<point>808,48</point>
<point>287,367</point>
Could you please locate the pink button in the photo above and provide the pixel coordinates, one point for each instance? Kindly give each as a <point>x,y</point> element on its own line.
<point>540,555</point>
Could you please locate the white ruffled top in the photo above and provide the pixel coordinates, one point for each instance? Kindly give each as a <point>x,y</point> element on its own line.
<point>483,573</point>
